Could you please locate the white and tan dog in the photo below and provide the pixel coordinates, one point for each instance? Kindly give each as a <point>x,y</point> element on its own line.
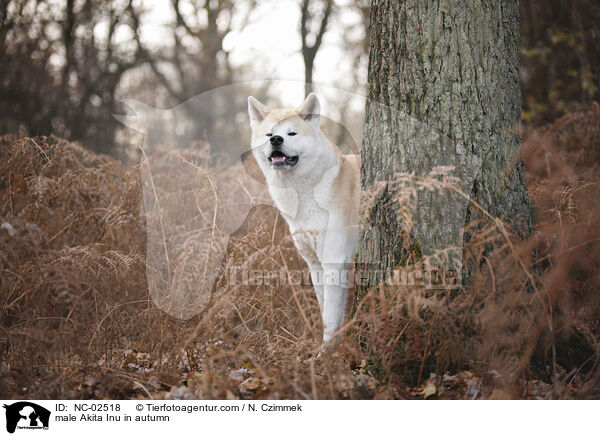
<point>317,192</point>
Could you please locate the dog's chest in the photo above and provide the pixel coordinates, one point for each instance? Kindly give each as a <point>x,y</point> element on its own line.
<point>306,219</point>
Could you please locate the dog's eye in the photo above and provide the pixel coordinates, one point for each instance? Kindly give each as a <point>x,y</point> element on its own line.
<point>292,134</point>
<point>269,134</point>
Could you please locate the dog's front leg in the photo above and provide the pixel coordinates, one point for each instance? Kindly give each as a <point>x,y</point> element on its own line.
<point>335,296</point>
<point>318,281</point>
<point>337,257</point>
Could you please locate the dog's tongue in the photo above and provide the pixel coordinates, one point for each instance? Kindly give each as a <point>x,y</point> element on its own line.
<point>278,159</point>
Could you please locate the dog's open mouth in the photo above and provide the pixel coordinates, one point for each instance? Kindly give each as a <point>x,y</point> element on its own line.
<point>279,160</point>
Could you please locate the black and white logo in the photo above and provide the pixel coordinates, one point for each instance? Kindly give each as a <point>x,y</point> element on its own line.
<point>26,415</point>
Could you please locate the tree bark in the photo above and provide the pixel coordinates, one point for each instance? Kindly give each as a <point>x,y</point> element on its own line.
<point>443,90</point>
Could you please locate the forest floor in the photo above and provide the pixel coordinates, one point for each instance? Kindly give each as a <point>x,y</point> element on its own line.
<point>77,320</point>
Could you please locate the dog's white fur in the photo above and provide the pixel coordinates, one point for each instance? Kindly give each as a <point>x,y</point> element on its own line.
<point>318,197</point>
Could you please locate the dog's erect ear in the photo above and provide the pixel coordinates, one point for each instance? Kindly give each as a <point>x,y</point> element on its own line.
<point>310,111</point>
<point>257,111</point>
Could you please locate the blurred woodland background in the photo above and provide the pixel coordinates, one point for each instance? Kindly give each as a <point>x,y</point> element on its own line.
<point>67,64</point>
<point>76,320</point>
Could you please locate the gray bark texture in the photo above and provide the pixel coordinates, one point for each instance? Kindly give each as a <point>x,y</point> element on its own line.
<point>443,91</point>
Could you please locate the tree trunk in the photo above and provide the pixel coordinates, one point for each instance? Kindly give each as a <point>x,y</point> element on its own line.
<point>309,52</point>
<point>443,91</point>
<point>308,75</point>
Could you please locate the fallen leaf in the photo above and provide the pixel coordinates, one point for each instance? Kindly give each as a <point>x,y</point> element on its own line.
<point>250,384</point>
<point>430,389</point>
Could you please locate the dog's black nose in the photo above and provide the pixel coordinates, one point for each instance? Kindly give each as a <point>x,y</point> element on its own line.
<point>276,140</point>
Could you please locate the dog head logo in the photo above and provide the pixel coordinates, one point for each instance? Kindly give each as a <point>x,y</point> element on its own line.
<point>26,415</point>
<point>190,213</point>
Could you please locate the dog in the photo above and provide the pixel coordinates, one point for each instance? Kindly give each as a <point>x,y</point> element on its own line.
<point>316,190</point>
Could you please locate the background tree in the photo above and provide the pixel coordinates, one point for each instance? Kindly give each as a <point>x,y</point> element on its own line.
<point>560,58</point>
<point>65,64</point>
<point>194,61</point>
<point>62,66</point>
<point>453,67</point>
<point>308,20</point>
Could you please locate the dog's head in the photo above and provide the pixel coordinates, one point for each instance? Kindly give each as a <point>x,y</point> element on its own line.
<point>285,140</point>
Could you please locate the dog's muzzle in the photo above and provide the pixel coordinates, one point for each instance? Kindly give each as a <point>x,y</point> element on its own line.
<point>279,160</point>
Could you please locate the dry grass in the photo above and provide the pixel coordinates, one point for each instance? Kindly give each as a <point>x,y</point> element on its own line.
<point>77,320</point>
